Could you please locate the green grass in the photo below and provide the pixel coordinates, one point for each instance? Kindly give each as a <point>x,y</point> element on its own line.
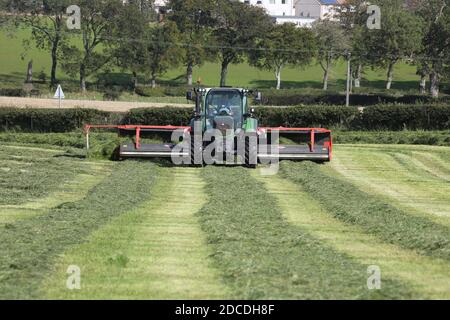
<point>146,230</point>
<point>155,251</point>
<point>427,277</point>
<point>30,247</point>
<point>374,215</point>
<point>27,173</point>
<point>13,68</point>
<point>437,138</point>
<point>262,256</point>
<point>416,178</point>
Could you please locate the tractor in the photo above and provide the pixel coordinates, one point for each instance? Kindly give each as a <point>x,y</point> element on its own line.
<point>224,129</point>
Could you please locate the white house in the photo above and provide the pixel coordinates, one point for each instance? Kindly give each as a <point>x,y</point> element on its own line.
<point>274,7</point>
<point>317,9</point>
<point>300,12</point>
<point>301,22</point>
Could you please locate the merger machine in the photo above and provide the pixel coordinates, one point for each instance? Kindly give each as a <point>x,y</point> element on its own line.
<point>223,119</point>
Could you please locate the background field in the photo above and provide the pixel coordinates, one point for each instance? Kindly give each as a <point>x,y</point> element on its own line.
<point>13,68</point>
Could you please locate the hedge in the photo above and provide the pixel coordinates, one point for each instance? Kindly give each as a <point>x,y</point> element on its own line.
<point>379,117</point>
<point>307,116</point>
<point>401,117</point>
<point>159,116</point>
<point>298,97</point>
<point>51,120</point>
<point>161,91</point>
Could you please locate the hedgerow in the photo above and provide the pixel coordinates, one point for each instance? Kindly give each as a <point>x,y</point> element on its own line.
<point>373,118</point>
<point>51,120</point>
<point>292,97</point>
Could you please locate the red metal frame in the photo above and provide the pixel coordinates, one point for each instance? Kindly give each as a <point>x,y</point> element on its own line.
<point>138,129</point>
<point>313,131</point>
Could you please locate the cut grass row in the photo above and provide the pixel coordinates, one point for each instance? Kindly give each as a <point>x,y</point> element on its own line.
<point>414,178</point>
<point>262,256</point>
<point>68,191</point>
<point>374,215</point>
<point>30,247</point>
<point>155,251</point>
<point>28,173</point>
<point>425,276</point>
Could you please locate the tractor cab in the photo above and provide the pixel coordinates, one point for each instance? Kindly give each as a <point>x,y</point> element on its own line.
<point>224,109</point>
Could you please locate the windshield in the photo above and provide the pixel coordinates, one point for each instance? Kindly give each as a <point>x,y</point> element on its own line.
<point>225,103</point>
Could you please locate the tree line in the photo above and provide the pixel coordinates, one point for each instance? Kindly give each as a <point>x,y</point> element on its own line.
<point>135,38</point>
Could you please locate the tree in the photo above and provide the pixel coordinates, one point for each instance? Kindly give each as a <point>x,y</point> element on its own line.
<point>398,38</point>
<point>194,21</point>
<point>129,50</point>
<point>162,51</point>
<point>47,22</point>
<point>436,41</point>
<point>353,19</point>
<point>332,43</point>
<point>97,29</point>
<point>237,27</point>
<point>284,44</point>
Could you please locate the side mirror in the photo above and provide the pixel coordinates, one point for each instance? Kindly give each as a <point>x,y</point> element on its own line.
<point>189,96</point>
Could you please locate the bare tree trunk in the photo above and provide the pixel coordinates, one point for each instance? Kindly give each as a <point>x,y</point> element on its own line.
<point>189,72</point>
<point>29,78</point>
<point>351,81</point>
<point>83,77</point>
<point>53,79</point>
<point>278,76</point>
<point>223,74</point>
<point>390,76</point>
<point>54,53</point>
<point>423,83</point>
<point>358,76</point>
<point>325,78</point>
<point>434,84</point>
<point>153,81</point>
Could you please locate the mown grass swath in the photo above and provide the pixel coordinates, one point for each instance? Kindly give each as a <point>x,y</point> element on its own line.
<point>262,256</point>
<point>29,247</point>
<point>426,276</point>
<point>28,173</point>
<point>349,204</point>
<point>415,178</point>
<point>154,251</point>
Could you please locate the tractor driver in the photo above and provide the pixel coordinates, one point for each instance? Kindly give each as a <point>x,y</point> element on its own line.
<point>222,104</point>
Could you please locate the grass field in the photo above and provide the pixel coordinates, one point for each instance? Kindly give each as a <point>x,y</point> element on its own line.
<point>147,230</point>
<point>13,68</point>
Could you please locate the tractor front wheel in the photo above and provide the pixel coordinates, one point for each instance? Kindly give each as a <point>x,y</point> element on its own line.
<point>251,152</point>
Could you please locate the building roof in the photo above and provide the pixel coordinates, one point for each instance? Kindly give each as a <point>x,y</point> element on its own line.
<point>329,2</point>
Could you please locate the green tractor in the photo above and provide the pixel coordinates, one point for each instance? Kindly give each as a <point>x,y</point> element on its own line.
<point>224,129</point>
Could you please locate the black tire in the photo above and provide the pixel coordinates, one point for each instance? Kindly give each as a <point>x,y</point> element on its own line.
<point>196,147</point>
<point>251,154</point>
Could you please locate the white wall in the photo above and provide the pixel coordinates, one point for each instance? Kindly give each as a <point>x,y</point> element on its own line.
<point>299,22</point>
<point>275,7</point>
<point>308,8</point>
